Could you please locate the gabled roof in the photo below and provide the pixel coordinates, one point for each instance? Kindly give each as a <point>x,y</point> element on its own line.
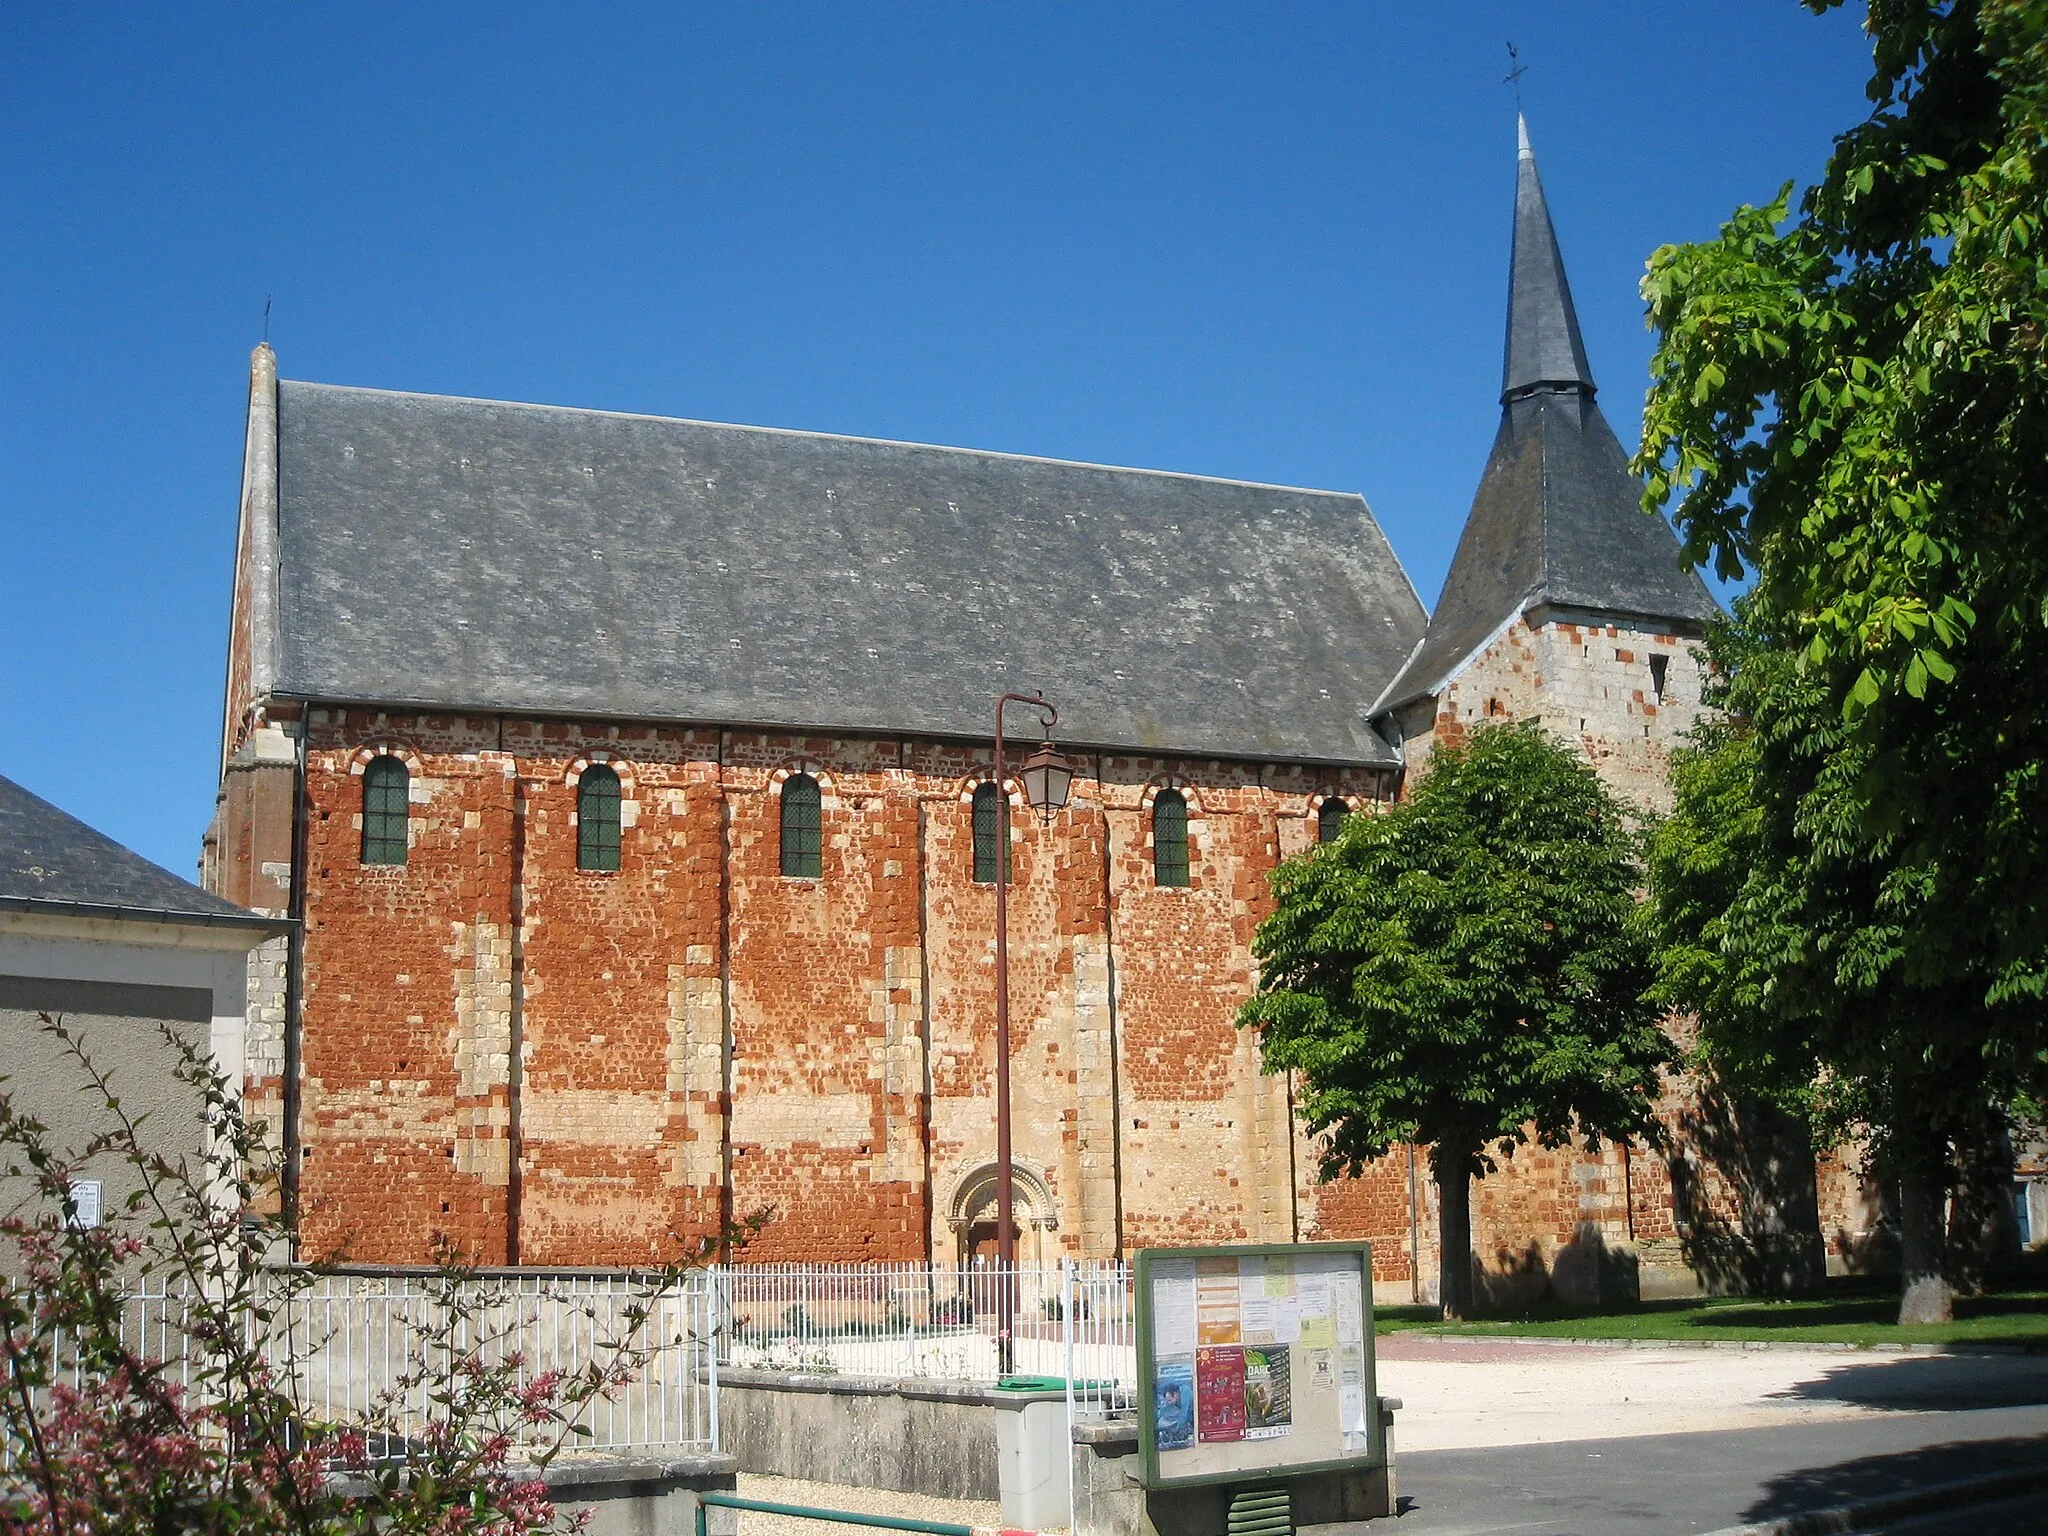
<point>478,555</point>
<point>1558,518</point>
<point>50,861</point>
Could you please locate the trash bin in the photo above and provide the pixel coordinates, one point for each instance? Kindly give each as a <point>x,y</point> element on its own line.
<point>1034,1456</point>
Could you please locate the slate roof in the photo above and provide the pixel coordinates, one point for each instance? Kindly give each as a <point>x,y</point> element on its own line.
<point>51,861</point>
<point>480,555</point>
<point>1557,518</point>
<point>1544,345</point>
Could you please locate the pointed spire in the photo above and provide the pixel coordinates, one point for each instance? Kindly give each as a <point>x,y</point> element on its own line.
<point>1557,522</point>
<point>1544,346</point>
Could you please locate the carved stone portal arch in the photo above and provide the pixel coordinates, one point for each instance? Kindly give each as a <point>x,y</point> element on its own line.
<point>971,1214</point>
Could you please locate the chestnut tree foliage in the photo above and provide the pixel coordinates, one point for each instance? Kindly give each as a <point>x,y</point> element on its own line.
<point>1850,405</point>
<point>1462,971</point>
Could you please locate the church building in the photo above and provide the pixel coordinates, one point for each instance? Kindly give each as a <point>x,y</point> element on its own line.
<point>632,780</point>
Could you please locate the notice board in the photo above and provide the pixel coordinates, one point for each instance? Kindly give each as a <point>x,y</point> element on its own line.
<point>1255,1361</point>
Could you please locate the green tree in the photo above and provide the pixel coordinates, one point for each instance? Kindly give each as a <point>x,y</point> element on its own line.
<point>1462,971</point>
<point>1781,921</point>
<point>1850,404</point>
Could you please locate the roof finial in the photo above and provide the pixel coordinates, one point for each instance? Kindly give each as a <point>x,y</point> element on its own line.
<point>1516,69</point>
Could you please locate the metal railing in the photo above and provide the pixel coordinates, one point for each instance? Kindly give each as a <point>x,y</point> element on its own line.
<point>935,1322</point>
<point>361,1344</point>
<point>372,1351</point>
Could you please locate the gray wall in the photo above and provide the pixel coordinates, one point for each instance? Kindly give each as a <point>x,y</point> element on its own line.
<point>117,983</point>
<point>120,1029</point>
<point>930,1437</point>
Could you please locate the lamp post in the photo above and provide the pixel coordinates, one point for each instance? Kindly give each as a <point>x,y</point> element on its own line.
<point>1047,778</point>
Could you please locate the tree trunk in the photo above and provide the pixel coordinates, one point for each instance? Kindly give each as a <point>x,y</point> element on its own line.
<point>1781,1203</point>
<point>1453,1174</point>
<point>1983,1234</point>
<point>1925,1295</point>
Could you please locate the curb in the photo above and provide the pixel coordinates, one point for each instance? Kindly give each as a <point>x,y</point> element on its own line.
<point>1824,1345</point>
<point>1843,1518</point>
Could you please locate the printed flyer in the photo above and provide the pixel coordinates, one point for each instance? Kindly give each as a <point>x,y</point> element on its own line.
<point>1173,1402</point>
<point>1217,1302</point>
<point>1268,1393</point>
<point>1219,1394</point>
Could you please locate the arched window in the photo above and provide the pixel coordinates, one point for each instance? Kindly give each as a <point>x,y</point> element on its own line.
<point>1330,819</point>
<point>802,828</point>
<point>387,791</point>
<point>991,833</point>
<point>1169,838</point>
<point>597,819</point>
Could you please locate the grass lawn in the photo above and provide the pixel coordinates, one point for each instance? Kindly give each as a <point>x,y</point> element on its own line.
<point>1851,1312</point>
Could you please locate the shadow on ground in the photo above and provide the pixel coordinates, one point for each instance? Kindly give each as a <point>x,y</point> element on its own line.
<point>1922,1383</point>
<point>1876,1309</point>
<point>1853,1305</point>
<point>1874,1477</point>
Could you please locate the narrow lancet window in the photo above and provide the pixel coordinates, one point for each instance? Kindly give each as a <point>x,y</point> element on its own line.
<point>597,819</point>
<point>387,796</point>
<point>991,833</point>
<point>1169,838</point>
<point>1330,819</point>
<point>802,828</point>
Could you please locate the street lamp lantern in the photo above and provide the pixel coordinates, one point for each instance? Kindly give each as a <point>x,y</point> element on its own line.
<point>1047,779</point>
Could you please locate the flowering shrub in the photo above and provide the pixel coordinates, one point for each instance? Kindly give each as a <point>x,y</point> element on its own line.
<point>213,1433</point>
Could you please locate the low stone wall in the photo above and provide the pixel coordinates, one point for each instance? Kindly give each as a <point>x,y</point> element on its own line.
<point>929,1437</point>
<point>939,1438</point>
<point>633,1495</point>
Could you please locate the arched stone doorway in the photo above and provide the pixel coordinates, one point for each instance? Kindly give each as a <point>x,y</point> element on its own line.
<point>971,1214</point>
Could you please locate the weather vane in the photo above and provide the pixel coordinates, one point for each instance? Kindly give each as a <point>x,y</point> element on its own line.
<point>1516,69</point>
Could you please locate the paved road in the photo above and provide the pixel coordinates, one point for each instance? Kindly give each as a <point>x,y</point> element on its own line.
<point>1703,1482</point>
<point>2008,1517</point>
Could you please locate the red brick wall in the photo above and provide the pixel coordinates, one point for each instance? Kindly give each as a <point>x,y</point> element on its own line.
<point>828,1042</point>
<point>404,1128</point>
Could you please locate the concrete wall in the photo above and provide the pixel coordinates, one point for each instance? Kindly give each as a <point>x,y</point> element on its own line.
<point>929,1437</point>
<point>626,1495</point>
<point>117,984</point>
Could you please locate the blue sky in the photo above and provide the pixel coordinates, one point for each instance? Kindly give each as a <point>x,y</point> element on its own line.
<point>1265,241</point>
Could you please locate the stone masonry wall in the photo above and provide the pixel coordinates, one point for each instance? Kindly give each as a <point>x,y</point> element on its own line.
<point>1591,683</point>
<point>697,1036</point>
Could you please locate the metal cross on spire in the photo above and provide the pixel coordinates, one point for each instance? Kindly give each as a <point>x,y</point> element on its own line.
<point>1516,69</point>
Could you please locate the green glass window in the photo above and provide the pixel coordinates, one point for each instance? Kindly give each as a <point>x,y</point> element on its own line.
<point>1330,819</point>
<point>387,795</point>
<point>991,828</point>
<point>802,828</point>
<point>597,819</point>
<point>1169,838</point>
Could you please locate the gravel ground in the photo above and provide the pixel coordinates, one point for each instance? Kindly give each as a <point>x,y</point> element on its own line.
<point>1459,1395</point>
<point>864,1501</point>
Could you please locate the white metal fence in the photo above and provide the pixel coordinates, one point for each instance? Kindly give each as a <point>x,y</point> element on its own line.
<point>1072,1321</point>
<point>371,1351</point>
<point>358,1342</point>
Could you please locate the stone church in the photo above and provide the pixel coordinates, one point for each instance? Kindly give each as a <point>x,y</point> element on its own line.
<point>632,779</point>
